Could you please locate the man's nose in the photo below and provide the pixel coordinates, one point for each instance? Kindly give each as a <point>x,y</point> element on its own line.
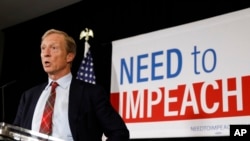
<point>45,52</point>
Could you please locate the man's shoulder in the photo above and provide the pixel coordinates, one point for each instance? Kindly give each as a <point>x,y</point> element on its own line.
<point>40,86</point>
<point>82,83</point>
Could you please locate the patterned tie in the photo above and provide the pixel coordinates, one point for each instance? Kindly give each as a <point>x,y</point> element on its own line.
<point>46,124</point>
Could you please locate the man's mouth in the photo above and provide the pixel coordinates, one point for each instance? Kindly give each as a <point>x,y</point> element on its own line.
<point>46,63</point>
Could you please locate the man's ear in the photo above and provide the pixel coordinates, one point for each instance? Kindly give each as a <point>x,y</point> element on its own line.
<point>70,57</point>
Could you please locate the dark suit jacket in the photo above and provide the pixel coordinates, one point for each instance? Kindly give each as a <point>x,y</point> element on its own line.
<point>90,112</point>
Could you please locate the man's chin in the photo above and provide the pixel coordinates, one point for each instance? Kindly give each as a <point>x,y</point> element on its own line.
<point>49,71</point>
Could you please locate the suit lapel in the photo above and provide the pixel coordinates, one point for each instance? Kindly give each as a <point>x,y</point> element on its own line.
<point>75,104</point>
<point>33,101</point>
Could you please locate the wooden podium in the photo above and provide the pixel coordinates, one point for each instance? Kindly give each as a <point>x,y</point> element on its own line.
<point>13,133</point>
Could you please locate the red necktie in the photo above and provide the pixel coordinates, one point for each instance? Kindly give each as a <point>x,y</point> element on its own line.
<point>46,124</point>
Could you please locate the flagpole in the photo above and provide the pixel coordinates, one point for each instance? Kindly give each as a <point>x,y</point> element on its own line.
<point>86,34</point>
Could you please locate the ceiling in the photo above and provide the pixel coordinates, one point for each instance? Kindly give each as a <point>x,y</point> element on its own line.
<point>13,12</point>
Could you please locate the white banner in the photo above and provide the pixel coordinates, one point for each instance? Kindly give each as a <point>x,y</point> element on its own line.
<point>187,81</point>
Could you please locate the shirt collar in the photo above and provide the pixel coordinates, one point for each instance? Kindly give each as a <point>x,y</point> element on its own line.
<point>63,82</point>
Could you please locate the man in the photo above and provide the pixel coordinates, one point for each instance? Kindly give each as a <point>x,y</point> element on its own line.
<point>82,111</point>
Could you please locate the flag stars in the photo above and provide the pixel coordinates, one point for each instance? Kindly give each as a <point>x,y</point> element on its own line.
<point>86,69</point>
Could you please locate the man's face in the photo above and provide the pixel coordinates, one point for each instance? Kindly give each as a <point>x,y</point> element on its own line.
<point>55,59</point>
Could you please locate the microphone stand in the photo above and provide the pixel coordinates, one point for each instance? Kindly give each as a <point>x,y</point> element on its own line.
<point>3,104</point>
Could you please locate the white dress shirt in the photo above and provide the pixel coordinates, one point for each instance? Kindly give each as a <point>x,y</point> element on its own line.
<point>60,121</point>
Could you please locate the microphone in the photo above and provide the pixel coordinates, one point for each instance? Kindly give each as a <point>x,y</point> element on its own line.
<point>2,87</point>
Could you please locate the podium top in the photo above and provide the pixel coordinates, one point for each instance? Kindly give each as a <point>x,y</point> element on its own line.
<point>18,133</point>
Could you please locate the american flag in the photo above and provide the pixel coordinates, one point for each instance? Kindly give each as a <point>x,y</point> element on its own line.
<point>86,70</point>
